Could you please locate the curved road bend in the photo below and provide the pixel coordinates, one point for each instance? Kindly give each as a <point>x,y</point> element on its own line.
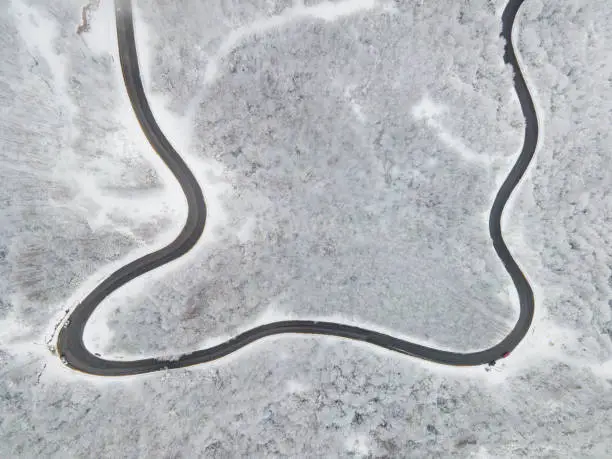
<point>70,341</point>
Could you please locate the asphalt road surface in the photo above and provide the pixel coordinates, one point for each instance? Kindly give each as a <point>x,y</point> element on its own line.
<point>70,344</point>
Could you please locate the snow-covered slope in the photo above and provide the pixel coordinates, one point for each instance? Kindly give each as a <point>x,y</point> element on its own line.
<point>296,396</point>
<point>360,145</point>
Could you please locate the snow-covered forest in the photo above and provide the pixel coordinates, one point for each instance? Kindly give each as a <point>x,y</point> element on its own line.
<point>345,193</point>
<point>349,152</point>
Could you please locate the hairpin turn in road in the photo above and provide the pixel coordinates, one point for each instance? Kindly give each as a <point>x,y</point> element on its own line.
<point>71,347</point>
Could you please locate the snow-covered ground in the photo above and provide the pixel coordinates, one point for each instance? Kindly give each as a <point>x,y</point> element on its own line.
<point>75,168</point>
<point>564,210</point>
<point>360,146</point>
<point>80,190</point>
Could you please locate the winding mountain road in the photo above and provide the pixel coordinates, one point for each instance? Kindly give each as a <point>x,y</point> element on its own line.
<point>70,343</point>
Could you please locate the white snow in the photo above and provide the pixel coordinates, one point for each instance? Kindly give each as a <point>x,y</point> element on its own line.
<point>327,11</point>
<point>303,396</point>
<point>430,111</point>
